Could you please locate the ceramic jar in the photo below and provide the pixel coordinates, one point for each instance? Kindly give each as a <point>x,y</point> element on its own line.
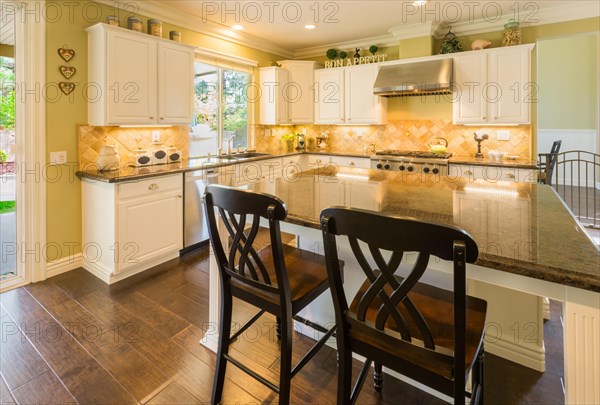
<point>108,158</point>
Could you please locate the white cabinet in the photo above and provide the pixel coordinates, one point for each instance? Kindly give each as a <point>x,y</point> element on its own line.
<point>273,102</point>
<point>138,79</point>
<point>493,174</point>
<point>345,96</point>
<point>494,86</point>
<point>287,93</point>
<point>345,161</point>
<point>132,226</point>
<point>329,107</point>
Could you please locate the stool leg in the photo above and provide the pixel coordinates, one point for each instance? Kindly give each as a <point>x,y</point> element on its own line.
<point>378,377</point>
<point>224,341</point>
<point>285,372</point>
<point>278,328</point>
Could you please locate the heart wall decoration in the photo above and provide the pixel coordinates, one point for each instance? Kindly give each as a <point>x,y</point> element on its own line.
<point>67,71</point>
<point>66,54</point>
<point>66,87</point>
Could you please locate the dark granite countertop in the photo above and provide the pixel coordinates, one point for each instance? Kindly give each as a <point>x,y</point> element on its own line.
<point>128,173</point>
<point>520,228</point>
<point>517,164</point>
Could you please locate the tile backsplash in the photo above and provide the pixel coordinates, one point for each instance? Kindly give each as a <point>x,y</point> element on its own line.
<point>91,139</point>
<point>402,134</point>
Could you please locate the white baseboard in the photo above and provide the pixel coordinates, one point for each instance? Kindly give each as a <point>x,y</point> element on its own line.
<point>105,274</point>
<point>63,265</point>
<point>533,358</point>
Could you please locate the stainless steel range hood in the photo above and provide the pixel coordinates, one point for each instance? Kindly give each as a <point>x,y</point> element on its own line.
<point>413,79</point>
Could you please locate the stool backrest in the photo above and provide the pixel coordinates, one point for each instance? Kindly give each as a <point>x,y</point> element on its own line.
<point>397,235</point>
<point>240,212</point>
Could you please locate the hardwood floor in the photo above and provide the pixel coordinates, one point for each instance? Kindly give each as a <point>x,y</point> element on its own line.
<point>73,339</point>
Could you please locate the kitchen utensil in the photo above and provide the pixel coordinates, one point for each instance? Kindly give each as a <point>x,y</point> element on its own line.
<point>440,145</point>
<point>108,158</point>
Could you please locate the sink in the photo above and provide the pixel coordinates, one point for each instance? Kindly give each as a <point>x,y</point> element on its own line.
<point>247,155</point>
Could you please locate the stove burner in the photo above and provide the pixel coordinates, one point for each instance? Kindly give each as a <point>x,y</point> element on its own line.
<point>412,153</point>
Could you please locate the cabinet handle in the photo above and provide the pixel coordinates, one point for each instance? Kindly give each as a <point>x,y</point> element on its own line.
<point>153,187</point>
<point>351,163</point>
<point>495,118</point>
<point>468,172</point>
<point>162,118</point>
<point>179,196</point>
<point>151,118</point>
<point>485,118</point>
<point>510,176</point>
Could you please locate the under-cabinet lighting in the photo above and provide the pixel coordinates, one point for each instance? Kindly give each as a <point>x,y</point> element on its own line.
<point>491,125</point>
<point>352,176</point>
<point>419,3</point>
<point>310,26</point>
<point>237,27</point>
<point>145,126</point>
<point>492,192</point>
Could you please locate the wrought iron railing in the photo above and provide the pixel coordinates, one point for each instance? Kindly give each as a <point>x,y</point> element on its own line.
<point>576,178</point>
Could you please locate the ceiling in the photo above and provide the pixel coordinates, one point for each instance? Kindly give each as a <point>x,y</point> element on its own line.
<point>282,22</point>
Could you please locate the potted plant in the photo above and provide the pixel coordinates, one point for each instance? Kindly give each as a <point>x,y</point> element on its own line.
<point>332,53</point>
<point>343,54</point>
<point>289,141</point>
<point>373,49</point>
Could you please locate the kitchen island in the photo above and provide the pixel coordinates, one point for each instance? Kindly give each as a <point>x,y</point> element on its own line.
<point>530,245</point>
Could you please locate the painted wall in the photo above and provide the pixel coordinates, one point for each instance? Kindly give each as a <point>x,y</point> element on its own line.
<point>568,82</point>
<point>66,27</point>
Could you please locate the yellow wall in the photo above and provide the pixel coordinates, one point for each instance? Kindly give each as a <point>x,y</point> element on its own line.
<point>63,113</point>
<point>568,82</point>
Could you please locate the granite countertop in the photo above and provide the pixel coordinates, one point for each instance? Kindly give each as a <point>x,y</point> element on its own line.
<point>520,228</point>
<point>129,173</point>
<point>517,164</point>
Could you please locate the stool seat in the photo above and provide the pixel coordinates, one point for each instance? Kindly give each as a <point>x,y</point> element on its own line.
<point>437,307</point>
<point>306,273</point>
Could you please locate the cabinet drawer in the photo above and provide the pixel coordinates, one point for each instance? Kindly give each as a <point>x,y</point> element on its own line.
<point>317,161</point>
<point>344,161</point>
<point>144,188</point>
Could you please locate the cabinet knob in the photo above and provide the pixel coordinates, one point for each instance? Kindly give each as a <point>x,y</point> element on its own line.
<point>351,163</point>
<point>510,176</point>
<point>468,172</point>
<point>151,118</point>
<point>162,118</point>
<point>153,187</point>
<point>495,118</point>
<point>485,118</point>
<point>179,196</point>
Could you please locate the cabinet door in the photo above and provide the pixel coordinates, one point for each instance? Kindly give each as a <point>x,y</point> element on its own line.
<point>470,76</point>
<point>362,106</point>
<point>273,98</point>
<point>343,161</point>
<point>175,84</point>
<point>131,79</point>
<point>330,96</point>
<point>148,228</point>
<point>300,92</point>
<point>364,195</point>
<point>509,91</point>
<point>329,192</point>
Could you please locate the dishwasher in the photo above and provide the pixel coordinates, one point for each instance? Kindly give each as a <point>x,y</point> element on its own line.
<point>195,228</point>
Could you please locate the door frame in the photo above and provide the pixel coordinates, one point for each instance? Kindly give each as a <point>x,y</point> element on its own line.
<point>30,65</point>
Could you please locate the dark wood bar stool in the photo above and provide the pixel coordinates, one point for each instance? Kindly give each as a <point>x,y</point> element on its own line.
<point>429,334</point>
<point>278,279</point>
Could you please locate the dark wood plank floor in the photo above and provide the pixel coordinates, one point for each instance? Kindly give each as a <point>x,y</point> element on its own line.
<point>73,339</point>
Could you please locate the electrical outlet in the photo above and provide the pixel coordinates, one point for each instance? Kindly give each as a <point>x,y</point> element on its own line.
<point>58,158</point>
<point>503,135</point>
<point>269,132</point>
<point>155,136</point>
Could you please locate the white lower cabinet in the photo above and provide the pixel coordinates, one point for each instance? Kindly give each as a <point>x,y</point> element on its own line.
<point>493,174</point>
<point>132,226</point>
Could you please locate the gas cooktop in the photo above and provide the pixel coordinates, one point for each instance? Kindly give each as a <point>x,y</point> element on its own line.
<point>413,154</point>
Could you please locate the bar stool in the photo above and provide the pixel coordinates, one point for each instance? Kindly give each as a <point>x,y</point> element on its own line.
<point>278,279</point>
<point>547,162</point>
<point>429,334</point>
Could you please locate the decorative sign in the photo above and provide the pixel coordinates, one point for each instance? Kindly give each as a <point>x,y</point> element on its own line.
<point>66,87</point>
<point>67,71</point>
<point>66,54</point>
<point>363,60</point>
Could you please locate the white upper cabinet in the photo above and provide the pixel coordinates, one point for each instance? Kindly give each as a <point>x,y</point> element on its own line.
<point>329,107</point>
<point>287,93</point>
<point>273,102</point>
<point>494,86</point>
<point>138,79</point>
<point>345,96</point>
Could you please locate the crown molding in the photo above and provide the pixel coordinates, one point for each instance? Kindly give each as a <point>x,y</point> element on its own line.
<point>381,41</point>
<point>428,29</point>
<point>152,8</point>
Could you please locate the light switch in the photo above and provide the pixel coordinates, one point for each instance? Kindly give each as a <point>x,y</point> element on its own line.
<point>155,136</point>
<point>503,135</point>
<point>58,158</point>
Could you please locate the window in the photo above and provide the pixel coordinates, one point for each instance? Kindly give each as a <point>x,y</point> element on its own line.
<point>220,109</point>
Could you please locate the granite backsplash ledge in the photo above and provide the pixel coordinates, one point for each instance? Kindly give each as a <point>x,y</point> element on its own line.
<point>91,139</point>
<point>401,134</point>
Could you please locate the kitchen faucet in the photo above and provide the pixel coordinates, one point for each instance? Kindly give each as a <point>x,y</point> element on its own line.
<point>230,144</point>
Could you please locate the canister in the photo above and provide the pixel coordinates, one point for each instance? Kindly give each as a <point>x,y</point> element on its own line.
<point>112,20</point>
<point>175,36</point>
<point>511,34</point>
<point>135,24</point>
<point>155,27</point>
